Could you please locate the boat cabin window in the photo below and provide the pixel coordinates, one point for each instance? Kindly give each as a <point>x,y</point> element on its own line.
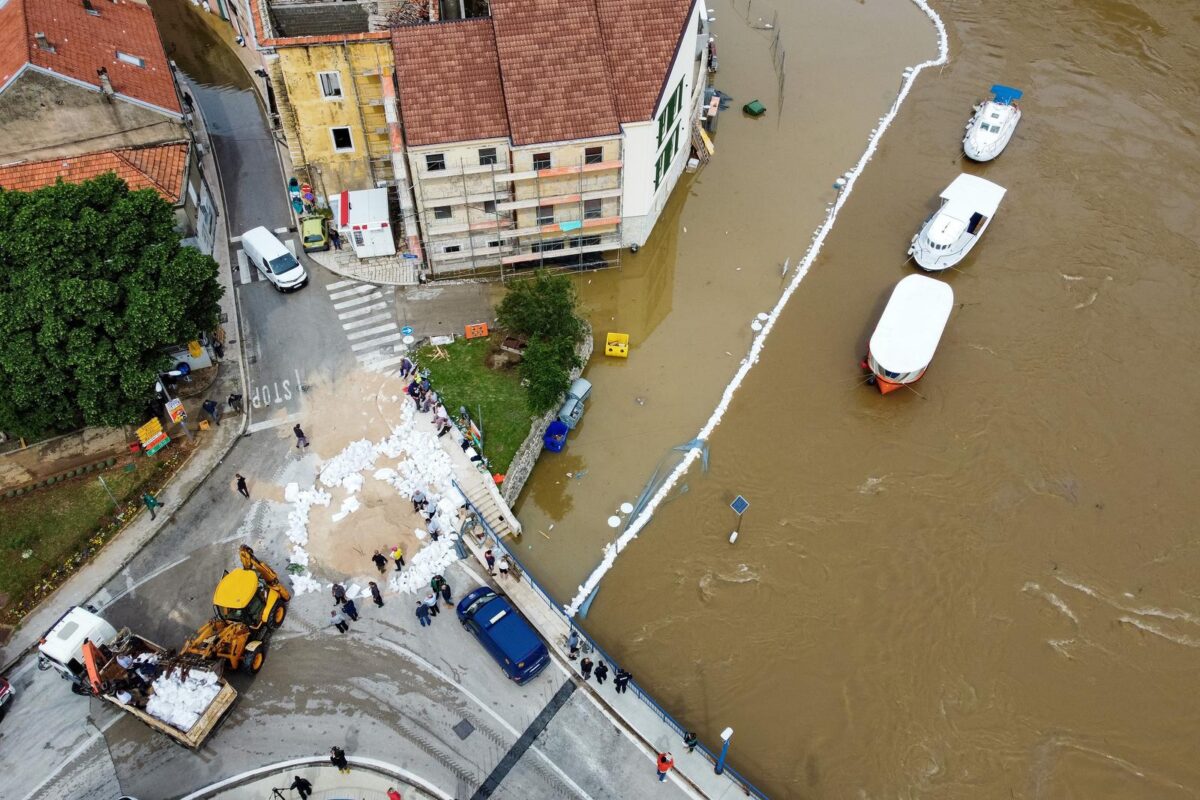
<point>995,115</point>
<point>977,221</point>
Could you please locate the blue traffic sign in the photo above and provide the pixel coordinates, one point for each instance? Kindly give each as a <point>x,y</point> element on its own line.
<point>406,330</point>
<point>739,505</point>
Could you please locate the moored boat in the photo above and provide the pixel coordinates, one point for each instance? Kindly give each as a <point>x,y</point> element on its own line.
<point>908,332</point>
<point>993,124</point>
<point>968,205</point>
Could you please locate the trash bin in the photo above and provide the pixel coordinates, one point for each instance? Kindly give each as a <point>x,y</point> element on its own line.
<point>555,437</point>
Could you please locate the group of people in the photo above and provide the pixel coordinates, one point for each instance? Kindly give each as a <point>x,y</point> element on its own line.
<point>427,608</point>
<point>588,668</point>
<point>337,757</point>
<point>133,688</point>
<point>344,609</point>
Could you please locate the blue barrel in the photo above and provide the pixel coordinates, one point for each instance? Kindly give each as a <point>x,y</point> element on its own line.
<point>555,437</point>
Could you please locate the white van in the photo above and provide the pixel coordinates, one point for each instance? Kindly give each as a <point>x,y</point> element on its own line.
<point>268,255</point>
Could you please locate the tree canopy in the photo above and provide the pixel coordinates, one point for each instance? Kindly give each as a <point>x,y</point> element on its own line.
<point>93,286</point>
<point>543,308</point>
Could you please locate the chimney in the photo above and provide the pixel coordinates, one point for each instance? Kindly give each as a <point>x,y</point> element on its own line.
<point>106,87</point>
<point>87,6</point>
<point>43,43</point>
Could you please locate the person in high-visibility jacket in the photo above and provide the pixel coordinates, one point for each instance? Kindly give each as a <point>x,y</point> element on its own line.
<point>665,762</point>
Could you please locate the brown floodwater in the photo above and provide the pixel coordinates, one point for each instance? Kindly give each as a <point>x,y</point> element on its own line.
<point>985,587</point>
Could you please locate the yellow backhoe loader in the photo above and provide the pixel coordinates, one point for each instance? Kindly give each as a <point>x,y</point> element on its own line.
<point>248,603</point>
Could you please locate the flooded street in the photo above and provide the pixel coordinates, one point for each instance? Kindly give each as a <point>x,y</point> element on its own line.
<point>986,589</point>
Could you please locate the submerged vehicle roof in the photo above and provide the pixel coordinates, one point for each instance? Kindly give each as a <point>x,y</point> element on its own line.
<point>912,323</point>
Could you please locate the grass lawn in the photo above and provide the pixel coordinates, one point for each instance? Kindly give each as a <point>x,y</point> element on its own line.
<point>464,379</point>
<point>54,524</point>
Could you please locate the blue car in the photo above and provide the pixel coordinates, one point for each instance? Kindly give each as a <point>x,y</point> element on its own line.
<point>505,633</point>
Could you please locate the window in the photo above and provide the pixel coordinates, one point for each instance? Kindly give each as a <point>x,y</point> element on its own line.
<point>590,241</point>
<point>452,248</point>
<point>547,245</point>
<point>666,120</point>
<point>442,212</point>
<point>435,161</point>
<point>494,243</point>
<point>489,206</point>
<point>136,61</point>
<point>593,209</point>
<point>541,161</point>
<point>342,140</point>
<point>593,155</point>
<point>545,215</point>
<point>487,155</point>
<point>331,84</point>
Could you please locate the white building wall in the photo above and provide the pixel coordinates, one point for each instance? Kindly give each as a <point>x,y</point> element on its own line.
<point>642,203</point>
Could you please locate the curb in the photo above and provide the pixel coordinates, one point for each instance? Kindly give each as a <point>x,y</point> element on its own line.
<point>370,764</point>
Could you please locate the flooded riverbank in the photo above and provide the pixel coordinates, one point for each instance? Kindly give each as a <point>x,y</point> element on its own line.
<point>716,257</point>
<point>980,588</point>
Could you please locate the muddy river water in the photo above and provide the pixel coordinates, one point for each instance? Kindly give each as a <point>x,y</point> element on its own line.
<point>987,589</point>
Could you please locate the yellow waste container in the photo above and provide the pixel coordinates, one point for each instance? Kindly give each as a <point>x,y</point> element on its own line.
<point>617,345</point>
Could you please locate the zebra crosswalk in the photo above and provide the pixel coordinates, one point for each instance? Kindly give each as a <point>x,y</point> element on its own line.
<point>365,313</point>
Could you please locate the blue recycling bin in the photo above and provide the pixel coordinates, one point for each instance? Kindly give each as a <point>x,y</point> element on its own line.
<point>555,437</point>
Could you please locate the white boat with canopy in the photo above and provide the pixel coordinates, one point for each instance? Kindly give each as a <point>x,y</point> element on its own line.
<point>993,124</point>
<point>908,332</point>
<point>968,205</point>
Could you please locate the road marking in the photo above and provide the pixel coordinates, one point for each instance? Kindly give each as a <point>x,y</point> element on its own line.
<point>394,337</point>
<point>525,741</point>
<point>358,300</point>
<point>245,273</point>
<point>284,229</point>
<point>375,320</point>
<point>381,365</point>
<point>391,326</point>
<point>365,288</point>
<point>235,240</point>
<point>267,424</point>
<point>79,751</point>
<point>290,244</point>
<point>358,312</point>
<point>133,586</point>
<point>341,284</point>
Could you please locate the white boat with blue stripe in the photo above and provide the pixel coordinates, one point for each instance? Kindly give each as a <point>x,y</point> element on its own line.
<point>993,125</point>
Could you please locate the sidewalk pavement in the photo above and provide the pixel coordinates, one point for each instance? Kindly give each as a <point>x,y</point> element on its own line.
<point>214,444</point>
<point>368,779</point>
<point>628,710</point>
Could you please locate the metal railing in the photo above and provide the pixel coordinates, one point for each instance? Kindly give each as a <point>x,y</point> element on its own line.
<point>496,543</point>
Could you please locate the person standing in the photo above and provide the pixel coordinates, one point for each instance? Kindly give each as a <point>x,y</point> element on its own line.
<point>350,610</point>
<point>418,500</point>
<point>573,645</point>
<point>423,614</point>
<point>436,582</point>
<point>393,794</point>
<point>398,557</point>
<point>375,594</point>
<point>242,488</point>
<point>338,620</point>
<point>380,562</point>
<point>585,667</point>
<point>151,503</point>
<point>446,594</point>
<point>502,565</point>
<point>302,786</point>
<point>335,238</point>
<point>406,367</point>
<point>601,673</point>
<point>339,593</point>
<point>337,757</point>
<point>212,411</point>
<point>301,439</point>
<point>431,603</point>
<point>689,741</point>
<point>491,561</point>
<point>621,681</point>
<point>434,527</point>
<point>665,762</point>
<point>235,402</point>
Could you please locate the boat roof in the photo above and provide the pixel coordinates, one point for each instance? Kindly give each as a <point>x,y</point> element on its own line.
<point>912,323</point>
<point>1006,94</point>
<point>968,194</point>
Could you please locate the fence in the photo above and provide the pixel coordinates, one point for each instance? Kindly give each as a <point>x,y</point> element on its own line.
<point>496,543</point>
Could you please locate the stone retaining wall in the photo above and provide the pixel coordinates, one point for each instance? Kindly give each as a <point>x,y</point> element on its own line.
<point>527,454</point>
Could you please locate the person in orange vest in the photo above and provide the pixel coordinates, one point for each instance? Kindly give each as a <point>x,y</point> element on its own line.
<point>665,762</point>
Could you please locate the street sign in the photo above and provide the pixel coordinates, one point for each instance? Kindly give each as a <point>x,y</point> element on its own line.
<point>175,410</point>
<point>406,330</point>
<point>739,505</point>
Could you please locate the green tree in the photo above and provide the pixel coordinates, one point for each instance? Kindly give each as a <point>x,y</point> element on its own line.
<point>542,307</point>
<point>546,367</point>
<point>93,285</point>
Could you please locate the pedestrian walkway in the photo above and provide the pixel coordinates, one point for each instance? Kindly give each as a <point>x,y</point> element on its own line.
<point>368,779</point>
<point>366,314</point>
<point>393,270</point>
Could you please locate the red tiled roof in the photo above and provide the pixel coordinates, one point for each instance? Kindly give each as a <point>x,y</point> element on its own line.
<point>80,43</point>
<point>641,38</point>
<point>160,167</point>
<point>556,81</point>
<point>449,78</point>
